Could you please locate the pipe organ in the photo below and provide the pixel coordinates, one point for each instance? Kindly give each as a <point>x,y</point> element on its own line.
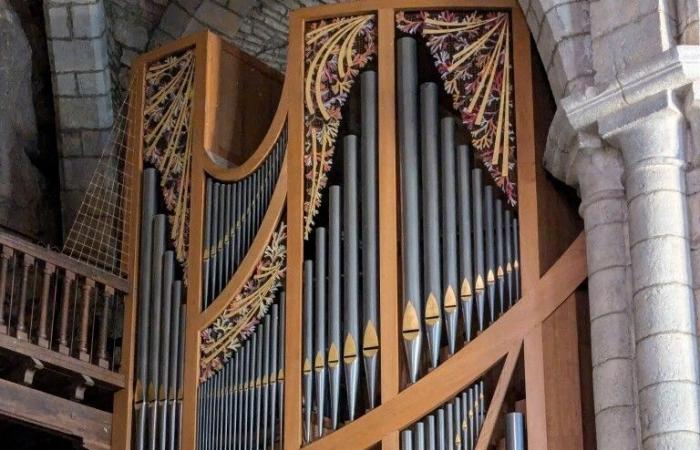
<point>360,280</point>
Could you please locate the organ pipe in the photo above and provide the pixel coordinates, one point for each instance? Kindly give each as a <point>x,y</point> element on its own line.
<point>431,229</point>
<point>407,95</point>
<point>320,328</point>
<point>368,160</point>
<point>334,290</point>
<point>351,296</point>
<point>449,230</point>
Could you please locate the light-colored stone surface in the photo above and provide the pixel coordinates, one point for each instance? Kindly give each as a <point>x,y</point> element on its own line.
<point>650,134</point>
<point>599,175</point>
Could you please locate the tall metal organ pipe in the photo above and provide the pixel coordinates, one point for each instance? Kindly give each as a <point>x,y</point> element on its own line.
<point>368,160</point>
<point>432,292</point>
<point>351,294</point>
<point>449,231</point>
<point>407,95</point>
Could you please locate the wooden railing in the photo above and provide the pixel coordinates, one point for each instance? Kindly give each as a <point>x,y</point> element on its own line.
<point>58,311</point>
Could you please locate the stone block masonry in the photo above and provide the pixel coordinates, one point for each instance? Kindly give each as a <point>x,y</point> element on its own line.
<point>77,43</point>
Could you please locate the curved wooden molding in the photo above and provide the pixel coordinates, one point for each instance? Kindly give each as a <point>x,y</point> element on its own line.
<point>250,261</point>
<point>468,364</point>
<point>258,157</point>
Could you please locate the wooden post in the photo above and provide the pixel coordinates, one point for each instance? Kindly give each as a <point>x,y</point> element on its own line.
<point>83,354</point>
<point>63,345</point>
<point>199,121</point>
<point>27,262</point>
<point>389,303</point>
<point>102,359</point>
<point>49,270</point>
<point>295,239</point>
<point>5,256</point>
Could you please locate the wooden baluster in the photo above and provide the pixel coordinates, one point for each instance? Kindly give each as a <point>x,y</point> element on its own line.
<point>102,360</point>
<point>5,257</point>
<point>63,346</point>
<point>85,320</point>
<point>27,262</point>
<point>49,270</point>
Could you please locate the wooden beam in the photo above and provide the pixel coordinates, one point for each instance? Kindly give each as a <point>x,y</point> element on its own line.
<point>90,425</point>
<point>63,261</point>
<point>499,395</point>
<point>62,363</point>
<point>295,241</point>
<point>390,350</point>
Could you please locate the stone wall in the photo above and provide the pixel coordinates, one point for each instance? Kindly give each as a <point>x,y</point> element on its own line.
<point>26,202</point>
<point>77,41</point>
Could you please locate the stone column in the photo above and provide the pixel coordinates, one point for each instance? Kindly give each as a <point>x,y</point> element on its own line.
<point>692,113</point>
<point>604,210</point>
<point>650,135</point>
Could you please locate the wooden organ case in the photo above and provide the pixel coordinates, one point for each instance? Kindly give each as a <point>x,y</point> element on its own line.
<point>374,273</point>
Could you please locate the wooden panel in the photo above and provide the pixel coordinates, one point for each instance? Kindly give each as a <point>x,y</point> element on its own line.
<point>553,387</point>
<point>536,415</point>
<point>562,384</point>
<point>246,101</point>
<point>92,426</point>
<point>528,206</point>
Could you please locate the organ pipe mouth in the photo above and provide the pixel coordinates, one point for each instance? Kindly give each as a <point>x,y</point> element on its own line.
<point>411,327</point>
<point>450,303</point>
<point>466,290</point>
<point>432,310</point>
<point>479,283</point>
<point>333,357</point>
<point>349,350</point>
<point>319,362</point>
<point>370,342</point>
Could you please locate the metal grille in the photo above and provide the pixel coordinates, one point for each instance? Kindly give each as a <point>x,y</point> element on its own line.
<point>99,234</point>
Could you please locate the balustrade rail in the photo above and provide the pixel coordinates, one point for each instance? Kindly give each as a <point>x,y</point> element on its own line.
<point>54,302</point>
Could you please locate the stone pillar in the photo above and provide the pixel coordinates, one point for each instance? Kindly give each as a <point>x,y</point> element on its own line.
<point>650,135</point>
<point>692,113</point>
<point>604,210</point>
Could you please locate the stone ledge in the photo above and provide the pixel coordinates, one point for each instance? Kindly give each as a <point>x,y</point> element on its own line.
<point>580,113</point>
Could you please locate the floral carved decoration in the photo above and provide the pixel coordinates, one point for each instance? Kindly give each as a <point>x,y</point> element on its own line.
<point>472,51</point>
<point>237,322</point>
<point>334,53</point>
<point>167,140</point>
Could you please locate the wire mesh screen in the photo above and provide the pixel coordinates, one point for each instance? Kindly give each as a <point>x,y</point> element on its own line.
<point>99,235</point>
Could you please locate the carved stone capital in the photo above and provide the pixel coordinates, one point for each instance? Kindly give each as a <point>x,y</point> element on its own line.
<point>649,131</point>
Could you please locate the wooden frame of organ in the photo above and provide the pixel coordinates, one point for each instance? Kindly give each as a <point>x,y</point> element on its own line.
<point>372,274</point>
